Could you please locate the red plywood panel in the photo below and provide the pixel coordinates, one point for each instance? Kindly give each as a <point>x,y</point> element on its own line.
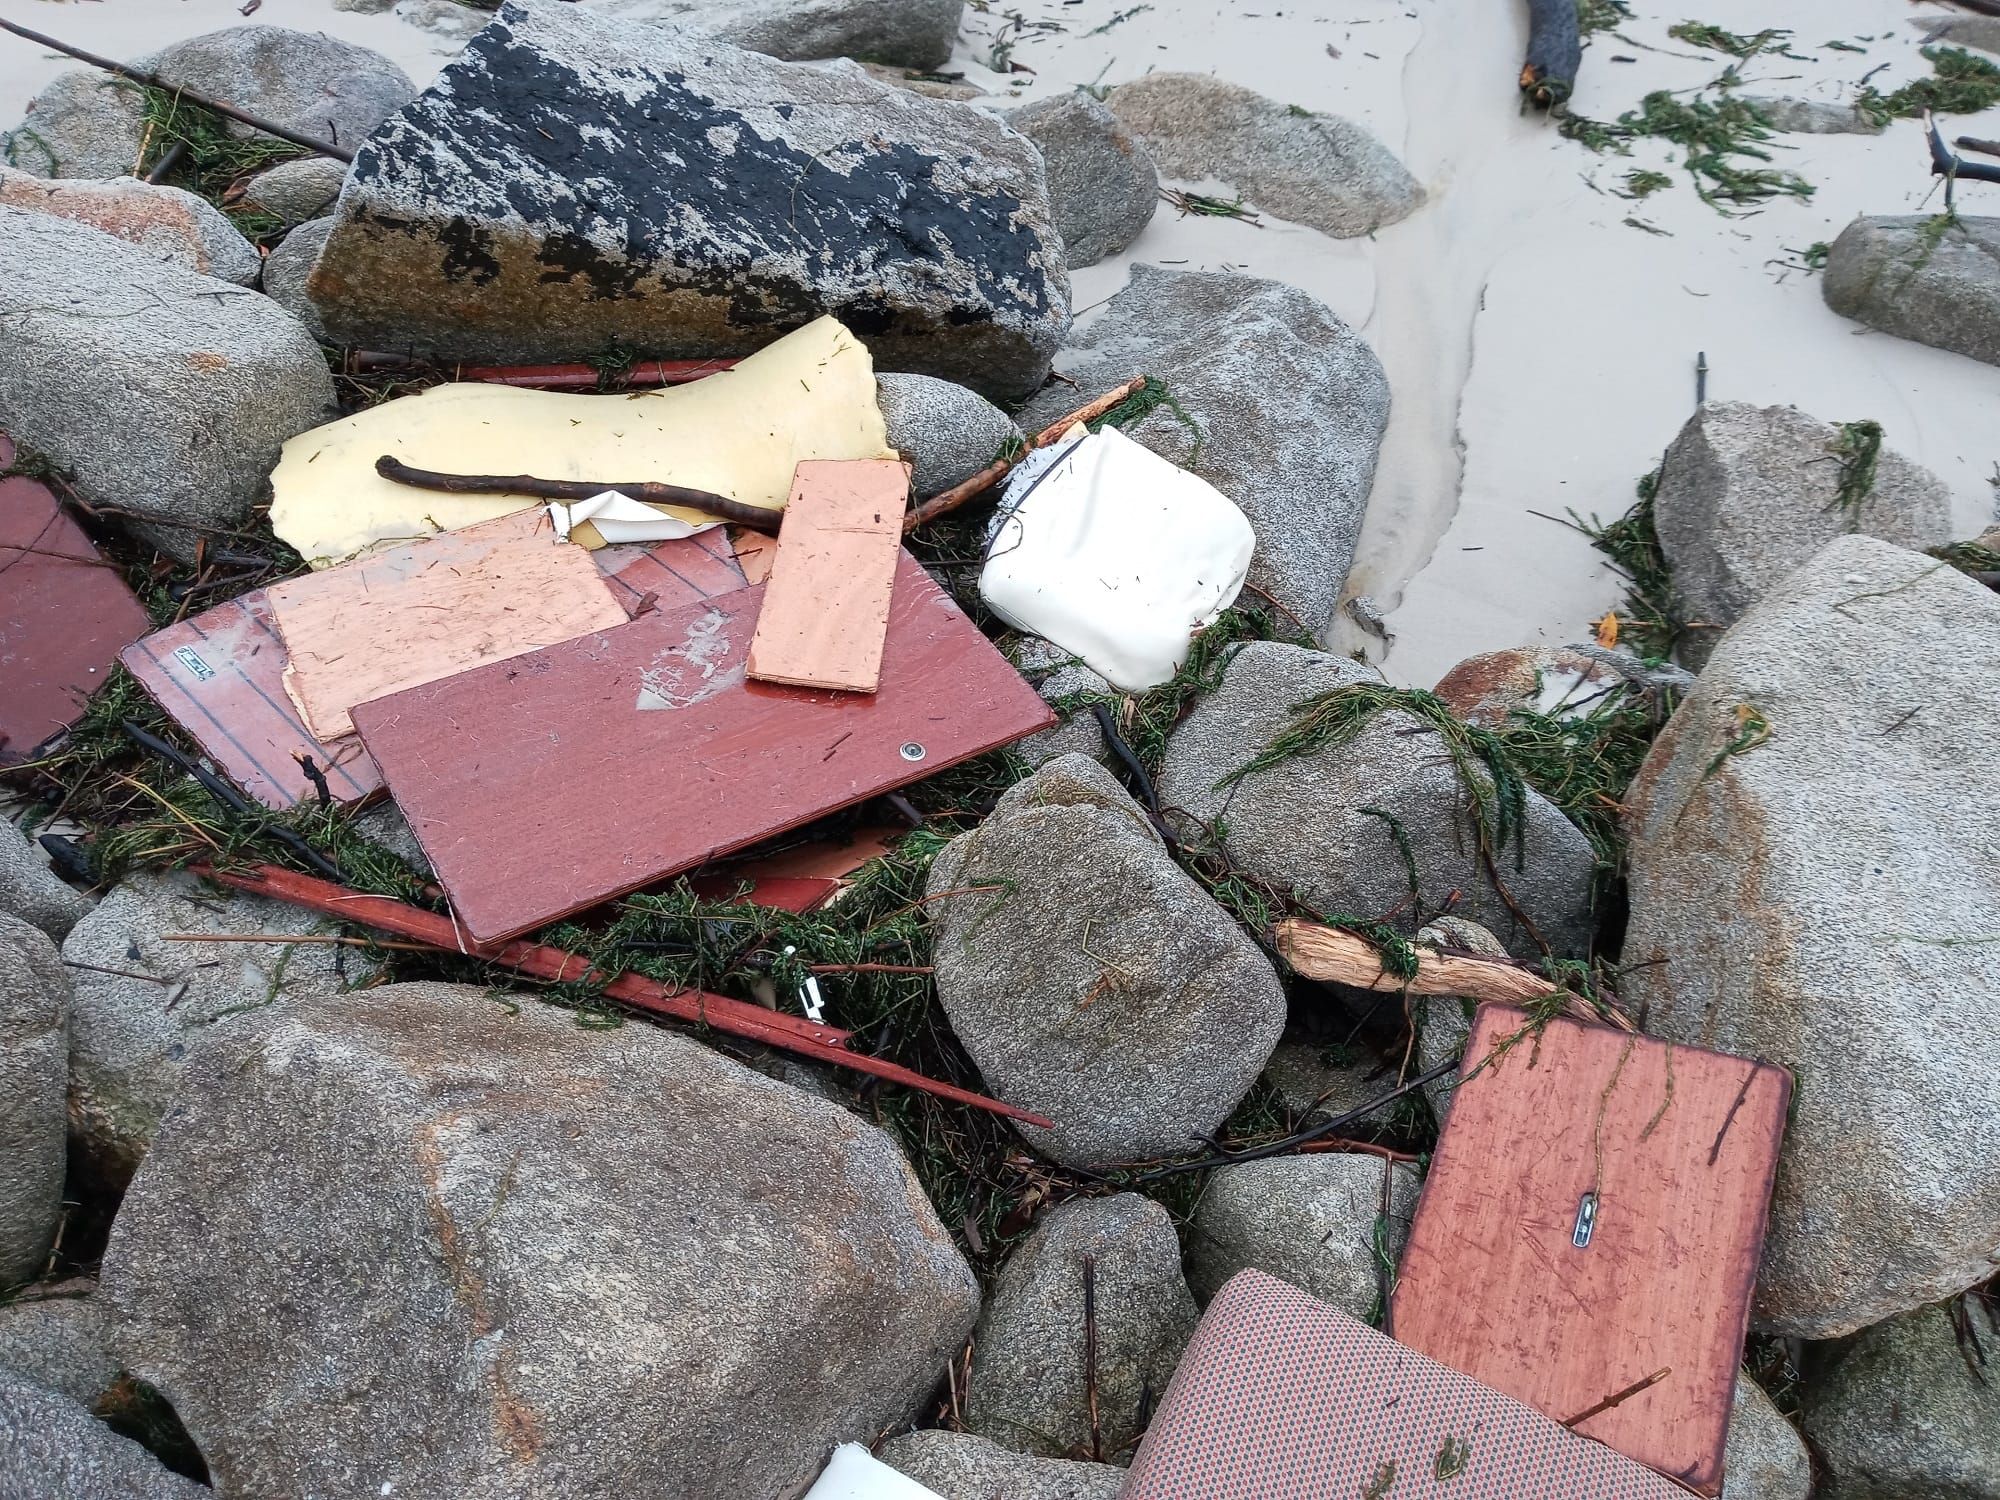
<point>1676,1148</point>
<point>546,784</point>
<point>65,614</point>
<point>221,675</point>
<point>1280,1397</point>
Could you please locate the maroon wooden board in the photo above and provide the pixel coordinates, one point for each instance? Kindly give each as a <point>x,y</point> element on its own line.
<point>221,675</point>
<point>65,614</point>
<point>1679,1147</point>
<point>548,783</point>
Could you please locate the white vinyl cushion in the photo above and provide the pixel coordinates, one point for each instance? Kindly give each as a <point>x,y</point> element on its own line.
<point>1115,555</point>
<point>853,1473</point>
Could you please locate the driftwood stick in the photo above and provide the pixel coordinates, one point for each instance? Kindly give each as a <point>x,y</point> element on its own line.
<point>1334,956</point>
<point>154,81</point>
<point>1090,1357</point>
<point>1555,52</point>
<point>1974,143</point>
<point>756,517</point>
<point>1617,1398</point>
<point>950,500</point>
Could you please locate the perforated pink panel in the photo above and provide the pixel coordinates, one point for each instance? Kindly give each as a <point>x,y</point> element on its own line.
<point>1279,1397</point>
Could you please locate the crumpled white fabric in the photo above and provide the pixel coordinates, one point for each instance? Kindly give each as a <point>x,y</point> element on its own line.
<point>620,518</point>
<point>853,1473</point>
<point>1114,554</point>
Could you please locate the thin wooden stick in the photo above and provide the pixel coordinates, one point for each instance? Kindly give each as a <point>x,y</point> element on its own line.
<point>736,1017</point>
<point>154,81</point>
<point>1090,1357</point>
<point>951,499</point>
<point>1617,1398</point>
<point>1334,956</point>
<point>756,517</point>
<point>1341,1145</point>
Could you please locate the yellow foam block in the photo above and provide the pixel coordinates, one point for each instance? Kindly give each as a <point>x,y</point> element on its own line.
<point>738,433</point>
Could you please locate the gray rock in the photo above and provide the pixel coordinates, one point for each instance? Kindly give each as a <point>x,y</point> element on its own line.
<point>1101,178</point>
<point>1814,117</point>
<point>133,1039</point>
<point>1060,677</point>
<point>365,7</point>
<point>169,224</point>
<point>297,190</point>
<point>34,1048</point>
<point>947,432</point>
<point>385,824</point>
<point>732,198</point>
<point>1317,1222</point>
<point>1444,1022</point>
<point>1765,1458</point>
<point>1289,400</point>
<point>59,1343</point>
<point>1318,170</point>
<point>907,33</point>
<point>450,21</point>
<point>1318,1081</point>
<point>483,1251</point>
<point>1825,900</point>
<point>52,1449</point>
<point>1100,987</point>
<point>33,892</point>
<point>1302,822</point>
<point>306,81</point>
<point>965,1466</point>
<point>191,386</point>
<point>931,86</point>
<point>83,124</point>
<point>1748,493</point>
<point>1929,279</point>
<point>1900,1414</point>
<point>288,265</point>
<point>1027,1390</point>
<point>1982,32</point>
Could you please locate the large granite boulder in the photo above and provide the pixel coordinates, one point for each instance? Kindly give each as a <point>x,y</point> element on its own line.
<point>1765,1459</point>
<point>168,223</point>
<point>906,33</point>
<point>297,190</point>
<point>83,123</point>
<point>53,1449</point>
<point>1332,1225</point>
<point>145,1006</point>
<point>1934,280</point>
<point>1814,877</point>
<point>946,432</point>
<point>731,198</point>
<point>1028,1389</point>
<point>1101,179</point>
<point>965,1466</point>
<point>1909,1410</point>
<point>1326,823</point>
<point>1747,493</point>
<point>287,267</point>
<point>30,890</point>
<point>190,388</point>
<point>1288,405</point>
<point>34,1050</point>
<point>1091,979</point>
<point>478,1250</point>
<point>61,1343</point>
<point>1318,170</point>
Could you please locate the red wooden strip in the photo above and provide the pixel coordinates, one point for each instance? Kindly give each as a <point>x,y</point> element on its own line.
<point>221,677</point>
<point>546,784</point>
<point>1679,1146</point>
<point>64,616</point>
<point>646,372</point>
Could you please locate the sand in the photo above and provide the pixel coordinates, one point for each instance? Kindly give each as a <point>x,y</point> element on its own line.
<point>1540,349</point>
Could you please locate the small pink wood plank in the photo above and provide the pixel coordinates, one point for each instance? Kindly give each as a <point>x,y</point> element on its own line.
<point>432,608</point>
<point>65,614</point>
<point>546,784</point>
<point>826,607</point>
<point>1678,1146</point>
<point>220,675</point>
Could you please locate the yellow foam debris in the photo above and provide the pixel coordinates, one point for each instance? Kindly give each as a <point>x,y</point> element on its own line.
<point>738,433</point>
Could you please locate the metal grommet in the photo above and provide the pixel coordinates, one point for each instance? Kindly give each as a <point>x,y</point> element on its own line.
<point>913,751</point>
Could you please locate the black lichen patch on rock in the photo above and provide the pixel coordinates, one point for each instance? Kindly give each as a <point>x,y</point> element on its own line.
<point>571,181</point>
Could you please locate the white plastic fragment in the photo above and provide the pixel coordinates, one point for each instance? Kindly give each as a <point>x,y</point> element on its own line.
<point>853,1473</point>
<point>1114,554</point>
<point>620,518</point>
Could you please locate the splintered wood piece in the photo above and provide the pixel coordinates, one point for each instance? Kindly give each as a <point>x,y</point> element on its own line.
<point>221,675</point>
<point>826,608</point>
<point>65,614</point>
<point>437,606</point>
<point>1594,1215</point>
<point>546,784</point>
